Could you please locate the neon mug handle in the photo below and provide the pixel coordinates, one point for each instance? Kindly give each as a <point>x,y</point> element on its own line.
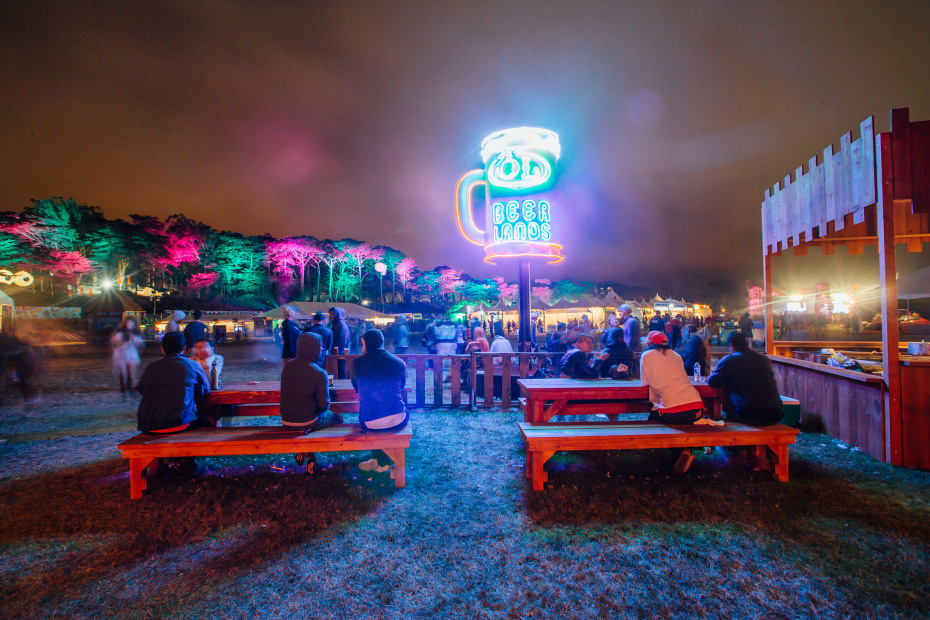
<point>464,207</point>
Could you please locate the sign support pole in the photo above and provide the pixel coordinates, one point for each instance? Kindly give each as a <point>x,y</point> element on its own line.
<point>524,297</point>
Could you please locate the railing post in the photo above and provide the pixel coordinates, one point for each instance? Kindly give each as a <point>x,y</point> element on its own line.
<point>473,376</point>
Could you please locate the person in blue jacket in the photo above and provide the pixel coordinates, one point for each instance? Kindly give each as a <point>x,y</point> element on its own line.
<point>379,378</point>
<point>316,327</point>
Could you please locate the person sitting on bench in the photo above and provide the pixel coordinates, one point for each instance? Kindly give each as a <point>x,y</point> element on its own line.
<point>619,362</point>
<point>579,362</point>
<point>676,401</point>
<point>749,382</point>
<point>171,388</point>
<point>379,378</point>
<point>305,393</point>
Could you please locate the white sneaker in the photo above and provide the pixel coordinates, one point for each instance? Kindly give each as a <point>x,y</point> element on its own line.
<point>709,421</point>
<point>369,465</point>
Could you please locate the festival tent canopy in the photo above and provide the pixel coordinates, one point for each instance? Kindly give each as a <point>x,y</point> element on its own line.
<point>915,286</point>
<point>309,308</point>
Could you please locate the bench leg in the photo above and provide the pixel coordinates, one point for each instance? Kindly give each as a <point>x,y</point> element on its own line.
<point>780,461</point>
<point>538,476</point>
<point>138,477</point>
<point>397,455</point>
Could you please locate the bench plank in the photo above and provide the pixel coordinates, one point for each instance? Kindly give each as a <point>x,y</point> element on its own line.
<point>543,440</point>
<point>144,450</point>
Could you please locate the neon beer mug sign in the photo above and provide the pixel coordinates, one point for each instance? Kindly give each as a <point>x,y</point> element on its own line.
<point>519,177</point>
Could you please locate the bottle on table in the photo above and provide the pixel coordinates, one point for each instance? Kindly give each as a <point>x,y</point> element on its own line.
<point>214,380</point>
<point>697,372</point>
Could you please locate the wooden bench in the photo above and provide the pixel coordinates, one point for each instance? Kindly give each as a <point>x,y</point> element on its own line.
<point>544,440</point>
<point>145,452</point>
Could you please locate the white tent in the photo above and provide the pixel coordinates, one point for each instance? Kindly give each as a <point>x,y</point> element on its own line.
<point>309,308</point>
<point>915,286</point>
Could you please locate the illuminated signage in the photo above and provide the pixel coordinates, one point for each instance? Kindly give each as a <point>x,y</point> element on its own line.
<point>20,278</point>
<point>519,180</point>
<point>796,306</point>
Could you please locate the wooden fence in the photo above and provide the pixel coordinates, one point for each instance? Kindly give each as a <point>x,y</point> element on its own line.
<point>435,370</point>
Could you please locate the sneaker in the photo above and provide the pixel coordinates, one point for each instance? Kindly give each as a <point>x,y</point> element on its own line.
<point>311,462</point>
<point>683,463</point>
<point>708,421</point>
<point>369,465</point>
<point>300,457</point>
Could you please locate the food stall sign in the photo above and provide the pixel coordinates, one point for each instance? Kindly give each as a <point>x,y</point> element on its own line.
<point>519,177</point>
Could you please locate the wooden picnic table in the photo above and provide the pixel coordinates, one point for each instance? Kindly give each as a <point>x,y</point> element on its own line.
<point>263,397</point>
<point>546,398</point>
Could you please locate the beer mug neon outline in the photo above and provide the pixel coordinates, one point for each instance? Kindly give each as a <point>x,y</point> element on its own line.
<point>520,164</point>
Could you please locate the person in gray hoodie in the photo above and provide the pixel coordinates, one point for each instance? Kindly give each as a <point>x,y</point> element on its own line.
<point>305,393</point>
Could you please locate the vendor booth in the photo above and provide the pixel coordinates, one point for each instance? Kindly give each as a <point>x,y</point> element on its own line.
<point>873,191</point>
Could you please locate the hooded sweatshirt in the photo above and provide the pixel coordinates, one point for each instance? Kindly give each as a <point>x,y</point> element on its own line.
<point>304,389</point>
<point>379,378</point>
<point>341,334</point>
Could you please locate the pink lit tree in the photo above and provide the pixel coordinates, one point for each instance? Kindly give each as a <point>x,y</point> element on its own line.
<point>508,290</point>
<point>543,291</point>
<point>406,270</point>
<point>450,281</point>
<point>294,253</point>
<point>69,266</point>
<point>202,280</point>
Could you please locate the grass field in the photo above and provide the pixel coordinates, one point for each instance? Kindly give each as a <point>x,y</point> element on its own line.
<point>614,534</point>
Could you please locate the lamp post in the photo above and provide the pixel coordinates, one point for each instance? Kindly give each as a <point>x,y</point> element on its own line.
<point>381,268</point>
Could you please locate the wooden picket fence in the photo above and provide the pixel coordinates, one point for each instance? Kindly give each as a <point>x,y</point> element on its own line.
<point>435,369</point>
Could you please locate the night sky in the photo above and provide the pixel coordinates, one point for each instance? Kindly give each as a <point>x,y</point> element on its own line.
<point>344,119</point>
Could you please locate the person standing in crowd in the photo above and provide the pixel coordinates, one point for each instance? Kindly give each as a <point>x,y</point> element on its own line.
<point>459,337</point>
<point>696,352</point>
<point>126,342</point>
<point>173,321</point>
<point>619,362</point>
<point>400,334</point>
<point>631,334</point>
<point>194,332</point>
<point>445,335</point>
<point>326,337</point>
<point>579,362</point>
<point>305,394</point>
<point>657,324</point>
<point>675,399</point>
<point>612,323</point>
<point>429,337</point>
<point>586,327</point>
<point>290,332</point>
<point>379,378</point>
<point>745,327</point>
<point>675,337</point>
<point>341,336</point>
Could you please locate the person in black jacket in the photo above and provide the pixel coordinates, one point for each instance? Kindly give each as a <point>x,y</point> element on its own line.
<point>749,382</point>
<point>341,337</point>
<point>289,334</point>
<point>194,332</point>
<point>619,362</point>
<point>579,362</point>
<point>316,327</point>
<point>696,352</point>
<point>379,378</point>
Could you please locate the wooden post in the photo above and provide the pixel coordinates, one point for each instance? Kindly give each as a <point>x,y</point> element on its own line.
<point>767,285</point>
<point>889,292</point>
